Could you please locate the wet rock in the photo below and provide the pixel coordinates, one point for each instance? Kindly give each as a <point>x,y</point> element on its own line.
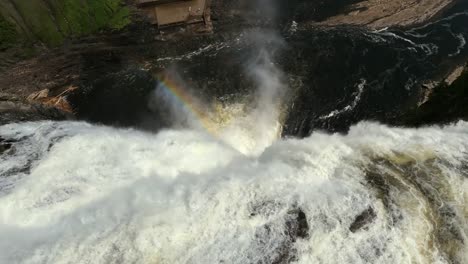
<point>13,110</point>
<point>4,146</point>
<point>296,224</point>
<point>332,74</point>
<point>446,103</point>
<point>119,98</point>
<point>363,220</point>
<point>276,247</point>
<point>296,228</point>
<point>341,83</point>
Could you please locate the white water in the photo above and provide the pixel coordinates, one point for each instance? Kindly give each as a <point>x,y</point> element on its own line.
<point>357,98</point>
<point>104,195</point>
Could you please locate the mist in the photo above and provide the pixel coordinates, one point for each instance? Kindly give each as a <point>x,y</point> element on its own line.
<point>256,121</point>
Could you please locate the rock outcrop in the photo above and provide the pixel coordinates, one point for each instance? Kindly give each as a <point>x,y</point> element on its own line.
<point>363,220</point>
<point>286,231</point>
<point>338,71</point>
<point>380,14</point>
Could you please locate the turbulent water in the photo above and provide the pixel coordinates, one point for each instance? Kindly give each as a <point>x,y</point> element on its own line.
<point>72,192</point>
<point>79,193</point>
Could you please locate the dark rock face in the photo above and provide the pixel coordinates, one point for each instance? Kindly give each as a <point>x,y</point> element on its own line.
<point>352,74</point>
<point>336,76</point>
<point>447,104</point>
<point>363,220</point>
<point>321,10</point>
<point>116,98</point>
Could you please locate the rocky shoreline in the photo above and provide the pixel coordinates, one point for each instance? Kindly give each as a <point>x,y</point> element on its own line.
<point>330,53</point>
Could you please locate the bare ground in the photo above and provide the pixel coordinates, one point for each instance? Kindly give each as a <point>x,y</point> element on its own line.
<point>387,13</point>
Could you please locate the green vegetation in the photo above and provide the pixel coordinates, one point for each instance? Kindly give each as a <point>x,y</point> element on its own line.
<point>8,34</point>
<point>53,21</point>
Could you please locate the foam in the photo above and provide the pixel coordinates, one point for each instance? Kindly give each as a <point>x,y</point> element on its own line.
<point>104,195</point>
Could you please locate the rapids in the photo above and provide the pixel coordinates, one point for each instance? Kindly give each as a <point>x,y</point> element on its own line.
<point>73,192</point>
<point>221,181</point>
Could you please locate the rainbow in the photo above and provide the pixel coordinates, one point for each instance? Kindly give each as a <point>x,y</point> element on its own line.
<point>186,101</point>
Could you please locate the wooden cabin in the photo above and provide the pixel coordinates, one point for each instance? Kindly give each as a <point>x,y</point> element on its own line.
<point>164,13</point>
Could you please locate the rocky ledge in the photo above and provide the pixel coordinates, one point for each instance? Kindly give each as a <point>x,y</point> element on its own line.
<point>338,68</point>
<point>379,14</point>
